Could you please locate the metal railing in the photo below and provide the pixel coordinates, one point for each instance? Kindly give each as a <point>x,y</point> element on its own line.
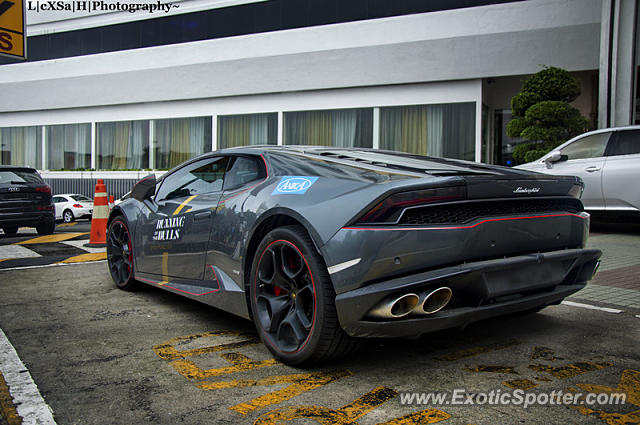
<point>86,186</point>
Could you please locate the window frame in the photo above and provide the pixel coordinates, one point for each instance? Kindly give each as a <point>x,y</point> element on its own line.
<point>581,139</point>
<point>614,138</point>
<point>192,165</point>
<point>232,162</point>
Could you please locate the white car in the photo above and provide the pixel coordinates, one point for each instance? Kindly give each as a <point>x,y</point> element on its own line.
<point>607,160</point>
<point>70,207</point>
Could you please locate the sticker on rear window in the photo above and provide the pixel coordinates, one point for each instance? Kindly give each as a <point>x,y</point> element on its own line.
<point>294,185</point>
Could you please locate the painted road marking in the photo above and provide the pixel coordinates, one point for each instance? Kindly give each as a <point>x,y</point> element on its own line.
<point>629,384</point>
<point>591,307</point>
<point>80,245</point>
<point>184,204</point>
<point>67,224</point>
<point>7,408</point>
<point>8,252</point>
<point>348,414</point>
<point>474,351</point>
<point>49,265</point>
<point>57,237</point>
<point>298,382</point>
<point>30,405</point>
<point>88,257</point>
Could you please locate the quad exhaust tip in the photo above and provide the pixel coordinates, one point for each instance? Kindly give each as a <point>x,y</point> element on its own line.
<point>435,301</point>
<point>396,306</point>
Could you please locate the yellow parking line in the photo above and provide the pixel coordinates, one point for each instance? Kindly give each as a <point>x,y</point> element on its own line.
<point>73,223</point>
<point>184,204</point>
<point>58,237</point>
<point>89,256</point>
<point>7,408</point>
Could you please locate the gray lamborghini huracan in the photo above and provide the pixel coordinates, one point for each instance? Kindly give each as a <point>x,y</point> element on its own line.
<point>320,246</point>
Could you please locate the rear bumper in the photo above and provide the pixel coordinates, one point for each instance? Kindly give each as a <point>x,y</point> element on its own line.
<point>481,290</point>
<point>26,218</point>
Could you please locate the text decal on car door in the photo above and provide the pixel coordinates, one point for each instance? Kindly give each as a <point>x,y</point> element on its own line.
<point>294,185</point>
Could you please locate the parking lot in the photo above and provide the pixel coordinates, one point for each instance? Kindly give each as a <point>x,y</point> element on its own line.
<point>100,355</point>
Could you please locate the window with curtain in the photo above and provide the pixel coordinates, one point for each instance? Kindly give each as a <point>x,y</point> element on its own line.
<point>122,145</point>
<point>69,146</point>
<point>250,129</point>
<point>21,146</point>
<point>446,130</point>
<point>339,127</point>
<point>177,140</point>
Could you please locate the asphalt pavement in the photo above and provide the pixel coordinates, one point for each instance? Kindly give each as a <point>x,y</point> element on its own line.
<point>100,355</point>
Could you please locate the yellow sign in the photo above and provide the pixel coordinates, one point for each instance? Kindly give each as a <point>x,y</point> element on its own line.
<point>12,37</point>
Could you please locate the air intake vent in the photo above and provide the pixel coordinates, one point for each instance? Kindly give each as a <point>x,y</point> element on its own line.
<point>464,212</point>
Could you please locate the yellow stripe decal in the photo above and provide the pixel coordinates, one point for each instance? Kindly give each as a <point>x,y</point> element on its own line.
<point>165,269</point>
<point>58,237</point>
<point>184,204</point>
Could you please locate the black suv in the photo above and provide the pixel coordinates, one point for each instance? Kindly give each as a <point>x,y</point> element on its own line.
<point>25,200</point>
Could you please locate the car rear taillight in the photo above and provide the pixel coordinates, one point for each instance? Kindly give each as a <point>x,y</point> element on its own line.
<point>43,189</point>
<point>576,190</point>
<point>77,206</point>
<point>390,209</point>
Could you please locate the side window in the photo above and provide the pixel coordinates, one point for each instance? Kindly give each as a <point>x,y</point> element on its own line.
<point>243,170</point>
<point>204,176</point>
<point>58,199</point>
<point>626,142</point>
<point>588,147</point>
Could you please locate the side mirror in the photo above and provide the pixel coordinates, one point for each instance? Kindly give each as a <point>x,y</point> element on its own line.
<point>145,188</point>
<point>555,156</point>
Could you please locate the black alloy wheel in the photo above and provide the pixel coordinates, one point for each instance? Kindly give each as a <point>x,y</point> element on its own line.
<point>120,254</point>
<point>292,300</point>
<point>285,296</point>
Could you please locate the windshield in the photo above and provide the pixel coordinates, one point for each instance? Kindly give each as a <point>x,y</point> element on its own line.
<point>80,198</point>
<point>19,176</point>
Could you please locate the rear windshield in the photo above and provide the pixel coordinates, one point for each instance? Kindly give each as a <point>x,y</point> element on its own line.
<point>19,176</point>
<point>80,198</point>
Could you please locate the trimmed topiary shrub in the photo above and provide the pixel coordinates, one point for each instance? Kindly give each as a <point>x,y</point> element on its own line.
<point>543,115</point>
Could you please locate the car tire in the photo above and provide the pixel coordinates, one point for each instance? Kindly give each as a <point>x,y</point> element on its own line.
<point>293,300</point>
<point>46,227</point>
<point>10,229</point>
<point>67,216</point>
<point>120,255</point>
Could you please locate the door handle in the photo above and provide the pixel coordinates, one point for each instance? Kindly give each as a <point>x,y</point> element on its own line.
<point>592,169</point>
<point>202,215</point>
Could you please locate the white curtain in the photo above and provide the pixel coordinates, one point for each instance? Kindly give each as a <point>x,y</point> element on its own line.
<point>390,128</point>
<point>21,146</point>
<point>259,129</point>
<point>434,130</point>
<point>106,133</point>
<point>69,146</point>
<point>139,140</point>
<point>344,127</point>
<point>196,135</point>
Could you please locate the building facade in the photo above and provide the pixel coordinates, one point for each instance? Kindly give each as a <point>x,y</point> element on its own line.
<point>122,91</point>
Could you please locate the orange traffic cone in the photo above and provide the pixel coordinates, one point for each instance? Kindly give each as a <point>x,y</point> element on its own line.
<point>111,202</point>
<point>98,237</point>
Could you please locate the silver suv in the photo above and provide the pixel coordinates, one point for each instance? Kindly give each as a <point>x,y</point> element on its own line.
<point>607,160</point>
